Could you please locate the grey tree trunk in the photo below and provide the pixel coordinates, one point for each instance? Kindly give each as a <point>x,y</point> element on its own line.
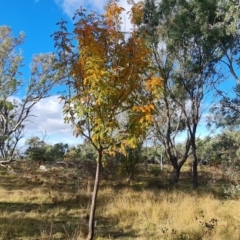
<point>94,198</point>
<point>161,162</point>
<point>195,173</point>
<point>195,163</point>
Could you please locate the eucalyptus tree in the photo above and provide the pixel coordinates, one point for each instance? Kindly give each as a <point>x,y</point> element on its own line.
<point>182,31</point>
<point>168,117</point>
<point>227,112</point>
<point>81,152</point>
<point>223,148</point>
<point>38,150</point>
<point>35,150</point>
<point>15,103</point>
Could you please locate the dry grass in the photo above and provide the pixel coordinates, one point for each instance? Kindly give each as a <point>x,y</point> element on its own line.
<point>54,205</point>
<point>152,214</point>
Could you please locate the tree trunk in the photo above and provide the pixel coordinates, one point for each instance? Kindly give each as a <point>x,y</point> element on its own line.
<point>176,175</point>
<point>94,198</point>
<point>194,165</point>
<point>161,162</point>
<point>176,170</point>
<point>195,173</point>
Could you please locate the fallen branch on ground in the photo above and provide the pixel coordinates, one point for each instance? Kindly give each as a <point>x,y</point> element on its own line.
<point>4,163</point>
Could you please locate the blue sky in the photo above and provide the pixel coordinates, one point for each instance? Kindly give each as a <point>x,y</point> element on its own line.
<point>37,19</point>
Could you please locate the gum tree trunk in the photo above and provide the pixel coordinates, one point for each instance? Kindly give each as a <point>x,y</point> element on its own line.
<point>195,174</point>
<point>176,170</point>
<point>176,175</point>
<point>195,169</point>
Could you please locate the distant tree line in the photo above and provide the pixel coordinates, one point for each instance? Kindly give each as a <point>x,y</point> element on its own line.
<point>223,148</point>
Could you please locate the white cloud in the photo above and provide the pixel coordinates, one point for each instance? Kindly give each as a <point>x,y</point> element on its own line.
<point>48,119</point>
<point>69,7</point>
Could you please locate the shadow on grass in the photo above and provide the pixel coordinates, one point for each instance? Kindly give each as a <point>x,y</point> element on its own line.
<point>15,225</point>
<point>45,180</point>
<point>164,185</point>
<point>10,207</point>
<point>32,228</point>
<point>106,228</point>
<point>117,234</point>
<point>46,221</point>
<point>20,228</point>
<point>72,202</point>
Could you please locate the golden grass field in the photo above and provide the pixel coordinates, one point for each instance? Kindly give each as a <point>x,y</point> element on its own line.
<point>54,205</point>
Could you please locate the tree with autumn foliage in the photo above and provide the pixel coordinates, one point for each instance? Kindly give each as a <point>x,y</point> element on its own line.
<point>107,102</point>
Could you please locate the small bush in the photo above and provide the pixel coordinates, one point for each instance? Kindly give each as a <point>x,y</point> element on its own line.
<point>155,171</point>
<point>231,191</point>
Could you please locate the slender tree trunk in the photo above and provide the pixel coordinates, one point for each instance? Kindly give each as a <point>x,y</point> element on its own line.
<point>146,165</point>
<point>194,166</point>
<point>161,162</point>
<point>195,173</point>
<point>94,198</point>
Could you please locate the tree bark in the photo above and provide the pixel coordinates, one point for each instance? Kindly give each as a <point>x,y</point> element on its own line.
<point>195,173</point>
<point>94,198</point>
<point>176,175</point>
<point>6,162</point>
<point>176,170</point>
<point>195,163</point>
